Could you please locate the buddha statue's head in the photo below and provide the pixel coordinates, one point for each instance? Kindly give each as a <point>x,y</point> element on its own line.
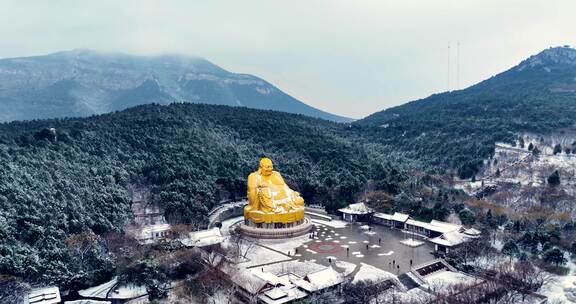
<point>266,166</point>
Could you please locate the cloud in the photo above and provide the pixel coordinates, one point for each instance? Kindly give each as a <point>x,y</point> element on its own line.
<point>347,57</point>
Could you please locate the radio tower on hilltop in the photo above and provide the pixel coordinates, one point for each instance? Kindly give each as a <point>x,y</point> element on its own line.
<point>457,65</point>
<point>453,67</point>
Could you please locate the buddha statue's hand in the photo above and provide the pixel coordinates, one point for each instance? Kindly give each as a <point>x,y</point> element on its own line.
<point>265,199</point>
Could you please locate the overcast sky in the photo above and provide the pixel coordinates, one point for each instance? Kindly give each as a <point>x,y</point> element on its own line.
<point>350,57</point>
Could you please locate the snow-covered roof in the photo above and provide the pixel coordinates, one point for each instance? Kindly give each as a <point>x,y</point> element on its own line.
<point>444,278</point>
<point>271,278</point>
<point>450,239</point>
<point>304,285</point>
<point>383,216</point>
<point>48,295</point>
<point>472,232</point>
<point>293,267</point>
<point>280,295</point>
<point>369,272</point>
<point>443,227</point>
<point>147,232</point>
<point>400,217</point>
<point>275,293</point>
<point>324,278</point>
<point>204,238</point>
<point>418,224</point>
<point>248,281</point>
<point>358,208</point>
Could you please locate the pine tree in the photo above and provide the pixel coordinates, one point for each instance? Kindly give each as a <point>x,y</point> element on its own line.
<point>554,178</point>
<point>557,149</point>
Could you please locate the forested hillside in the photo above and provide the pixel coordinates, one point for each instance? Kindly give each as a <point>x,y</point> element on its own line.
<point>56,184</point>
<point>458,129</point>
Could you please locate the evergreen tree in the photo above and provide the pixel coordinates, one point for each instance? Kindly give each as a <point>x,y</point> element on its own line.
<point>467,217</point>
<point>554,178</point>
<point>510,248</point>
<point>554,256</point>
<point>557,149</point>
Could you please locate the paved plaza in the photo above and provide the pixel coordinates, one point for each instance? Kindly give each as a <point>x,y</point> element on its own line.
<point>361,244</point>
<point>346,245</point>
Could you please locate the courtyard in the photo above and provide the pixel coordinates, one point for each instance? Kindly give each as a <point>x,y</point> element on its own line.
<point>346,247</point>
<point>358,244</point>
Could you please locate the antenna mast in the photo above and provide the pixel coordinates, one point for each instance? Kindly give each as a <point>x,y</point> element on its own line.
<point>458,65</point>
<point>448,79</point>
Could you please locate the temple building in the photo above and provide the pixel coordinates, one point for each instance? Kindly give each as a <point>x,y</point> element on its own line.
<point>358,212</point>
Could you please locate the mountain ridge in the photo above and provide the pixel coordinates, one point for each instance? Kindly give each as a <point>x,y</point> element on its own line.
<point>458,129</point>
<point>103,78</point>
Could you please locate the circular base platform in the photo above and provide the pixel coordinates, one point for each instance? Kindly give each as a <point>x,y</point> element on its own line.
<point>275,233</point>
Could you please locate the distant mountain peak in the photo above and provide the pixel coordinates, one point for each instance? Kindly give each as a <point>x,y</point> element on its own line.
<point>93,82</point>
<point>553,56</point>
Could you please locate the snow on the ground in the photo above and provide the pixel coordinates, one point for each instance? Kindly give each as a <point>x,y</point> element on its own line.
<point>369,272</point>
<point>99,291</point>
<point>126,292</point>
<point>443,278</point>
<point>386,254</point>
<point>365,227</point>
<point>561,288</point>
<point>229,222</point>
<point>285,245</point>
<point>347,266</point>
<point>122,292</point>
<point>412,242</point>
<point>332,223</point>
<point>258,255</point>
<point>296,267</point>
<point>498,244</point>
<point>220,297</point>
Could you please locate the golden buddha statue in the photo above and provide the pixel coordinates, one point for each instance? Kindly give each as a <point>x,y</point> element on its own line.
<point>270,200</point>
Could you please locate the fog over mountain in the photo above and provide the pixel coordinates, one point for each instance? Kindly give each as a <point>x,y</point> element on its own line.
<point>84,82</point>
